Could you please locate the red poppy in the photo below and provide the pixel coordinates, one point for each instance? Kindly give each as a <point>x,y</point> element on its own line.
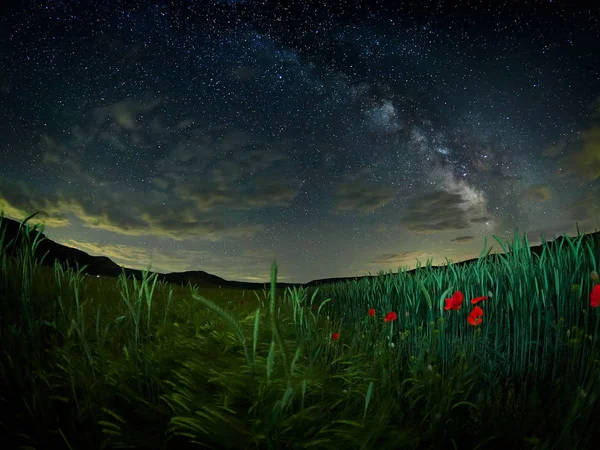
<point>372,312</point>
<point>475,317</point>
<point>335,336</point>
<point>595,296</point>
<point>478,299</point>
<point>455,301</point>
<point>390,316</point>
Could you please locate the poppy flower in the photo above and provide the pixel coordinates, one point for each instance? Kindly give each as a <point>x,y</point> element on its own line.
<point>474,317</point>
<point>478,299</point>
<point>335,336</point>
<point>595,296</point>
<point>455,301</point>
<point>390,316</point>
<point>372,312</point>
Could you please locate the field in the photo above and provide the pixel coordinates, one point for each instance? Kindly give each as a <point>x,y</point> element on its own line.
<point>492,355</point>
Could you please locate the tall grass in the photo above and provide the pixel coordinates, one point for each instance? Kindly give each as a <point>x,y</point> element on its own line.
<point>95,363</point>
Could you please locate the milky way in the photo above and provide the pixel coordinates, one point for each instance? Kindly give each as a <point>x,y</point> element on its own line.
<point>338,141</point>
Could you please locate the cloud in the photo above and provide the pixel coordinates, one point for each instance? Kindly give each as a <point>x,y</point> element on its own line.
<point>160,183</point>
<point>187,224</point>
<point>236,184</point>
<point>441,211</point>
<point>109,132</point>
<point>537,193</point>
<point>180,180</point>
<point>582,161</point>
<point>401,259</point>
<point>556,148</point>
<point>18,200</point>
<point>585,208</point>
<point>534,237</point>
<point>356,194</point>
<point>124,114</point>
<point>166,260</point>
<point>141,218</point>
<point>463,239</point>
<point>270,193</point>
<point>137,257</point>
<point>408,259</point>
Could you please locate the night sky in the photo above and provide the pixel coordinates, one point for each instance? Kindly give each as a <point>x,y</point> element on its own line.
<point>340,141</point>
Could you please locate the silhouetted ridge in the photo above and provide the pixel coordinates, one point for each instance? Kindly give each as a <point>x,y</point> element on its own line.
<point>104,266</point>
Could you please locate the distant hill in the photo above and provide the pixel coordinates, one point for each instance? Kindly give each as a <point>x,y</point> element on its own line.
<point>103,266</point>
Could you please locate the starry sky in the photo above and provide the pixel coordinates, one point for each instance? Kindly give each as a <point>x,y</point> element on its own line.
<point>338,140</point>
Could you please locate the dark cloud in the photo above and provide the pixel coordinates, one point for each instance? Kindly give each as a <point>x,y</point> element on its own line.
<point>537,193</point>
<point>439,211</point>
<point>360,196</point>
<point>462,239</point>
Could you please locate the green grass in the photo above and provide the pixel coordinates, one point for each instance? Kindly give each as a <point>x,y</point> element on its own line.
<point>99,363</point>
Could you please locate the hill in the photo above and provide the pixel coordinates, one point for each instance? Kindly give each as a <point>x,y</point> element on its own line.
<point>105,267</point>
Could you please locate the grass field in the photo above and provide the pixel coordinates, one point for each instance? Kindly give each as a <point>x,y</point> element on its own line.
<point>491,355</point>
